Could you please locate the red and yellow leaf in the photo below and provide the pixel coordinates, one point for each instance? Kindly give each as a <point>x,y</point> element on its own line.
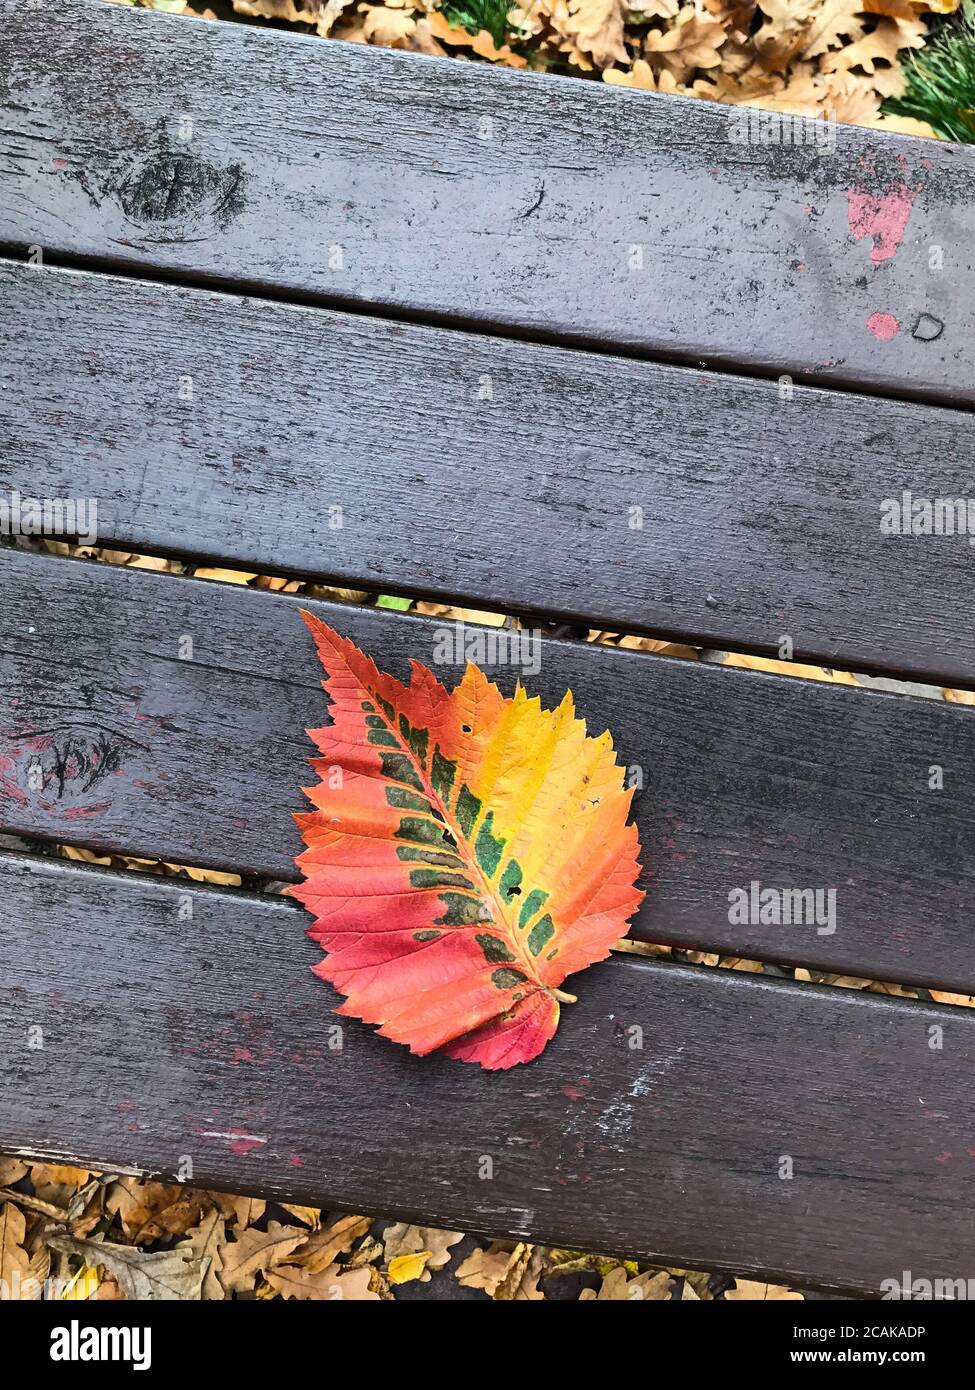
<point>466,853</point>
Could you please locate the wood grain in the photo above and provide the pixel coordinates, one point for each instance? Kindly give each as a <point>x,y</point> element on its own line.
<point>629,494</point>
<point>206,1038</point>
<point>456,190</point>
<point>745,777</point>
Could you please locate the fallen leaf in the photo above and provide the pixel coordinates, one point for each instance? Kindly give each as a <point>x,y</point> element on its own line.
<point>789,668</point>
<point>747,1290</point>
<point>596,27</point>
<point>320,1249</point>
<point>11,1171</point>
<point>618,1287</point>
<point>223,576</point>
<point>310,1216</point>
<point>507,1274</point>
<point>14,1260</point>
<point>167,1274</point>
<point>401,1239</point>
<point>207,1242</point>
<point>485,1269</point>
<point>488,843</point>
<point>254,1252</point>
<point>405,1268</point>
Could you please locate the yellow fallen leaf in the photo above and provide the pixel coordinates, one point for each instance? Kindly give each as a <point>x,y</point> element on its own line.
<point>223,576</point>
<point>789,668</point>
<point>405,1268</point>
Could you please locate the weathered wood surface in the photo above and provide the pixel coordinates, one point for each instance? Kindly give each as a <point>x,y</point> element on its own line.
<point>167,1038</point>
<point>326,443</point>
<point>746,777</point>
<point>448,189</point>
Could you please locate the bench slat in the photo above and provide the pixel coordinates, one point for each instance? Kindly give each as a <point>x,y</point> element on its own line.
<point>625,493</point>
<point>746,777</point>
<point>452,189</point>
<point>167,1038</point>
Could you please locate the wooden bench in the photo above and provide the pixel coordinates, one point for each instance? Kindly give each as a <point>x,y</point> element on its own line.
<point>251,278</point>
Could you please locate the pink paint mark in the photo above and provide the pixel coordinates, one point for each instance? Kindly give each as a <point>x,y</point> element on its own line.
<point>883,326</point>
<point>77,812</point>
<point>579,1091</point>
<point>296,1161</point>
<point>942,1158</point>
<point>883,218</point>
<point>125,1105</point>
<point>801,267</point>
<point>808,209</point>
<point>245,1146</point>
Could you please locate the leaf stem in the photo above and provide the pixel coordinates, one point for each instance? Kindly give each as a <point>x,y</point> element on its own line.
<point>562,997</point>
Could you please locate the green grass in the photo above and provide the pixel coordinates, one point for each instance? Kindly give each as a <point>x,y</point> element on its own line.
<point>941,83</point>
<point>475,15</point>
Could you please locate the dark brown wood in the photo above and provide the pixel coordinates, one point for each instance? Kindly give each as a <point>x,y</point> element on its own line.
<point>746,777</point>
<point>170,1040</point>
<point>448,189</point>
<point>630,494</point>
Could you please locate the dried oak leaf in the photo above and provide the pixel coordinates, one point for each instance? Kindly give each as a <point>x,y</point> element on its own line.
<point>746,1290</point>
<point>14,1259</point>
<point>11,1171</point>
<point>255,1252</point>
<point>596,27</point>
<point>642,76</point>
<point>691,43</point>
<point>440,28</point>
<point>331,1283</point>
<point>618,1287</point>
<point>836,22</point>
<point>321,13</point>
<point>881,46</point>
<point>320,1249</point>
<point>207,1242</point>
<point>403,1241</point>
<point>166,1274</point>
<point>506,1273</point>
<point>466,853</point>
<point>386,27</point>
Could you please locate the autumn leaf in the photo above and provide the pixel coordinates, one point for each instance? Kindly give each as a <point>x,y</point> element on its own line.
<point>466,853</point>
<point>166,1274</point>
<point>749,1290</point>
<point>255,1252</point>
<point>14,1260</point>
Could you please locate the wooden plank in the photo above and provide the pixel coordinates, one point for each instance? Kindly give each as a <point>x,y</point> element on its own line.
<point>538,204</point>
<point>746,777</point>
<point>629,494</point>
<point>167,1039</point>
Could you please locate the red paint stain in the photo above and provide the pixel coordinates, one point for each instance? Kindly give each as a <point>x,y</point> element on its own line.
<point>882,218</point>
<point>942,1158</point>
<point>579,1091</point>
<point>296,1161</point>
<point>78,812</point>
<point>245,1146</point>
<point>124,1105</point>
<point>882,326</point>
